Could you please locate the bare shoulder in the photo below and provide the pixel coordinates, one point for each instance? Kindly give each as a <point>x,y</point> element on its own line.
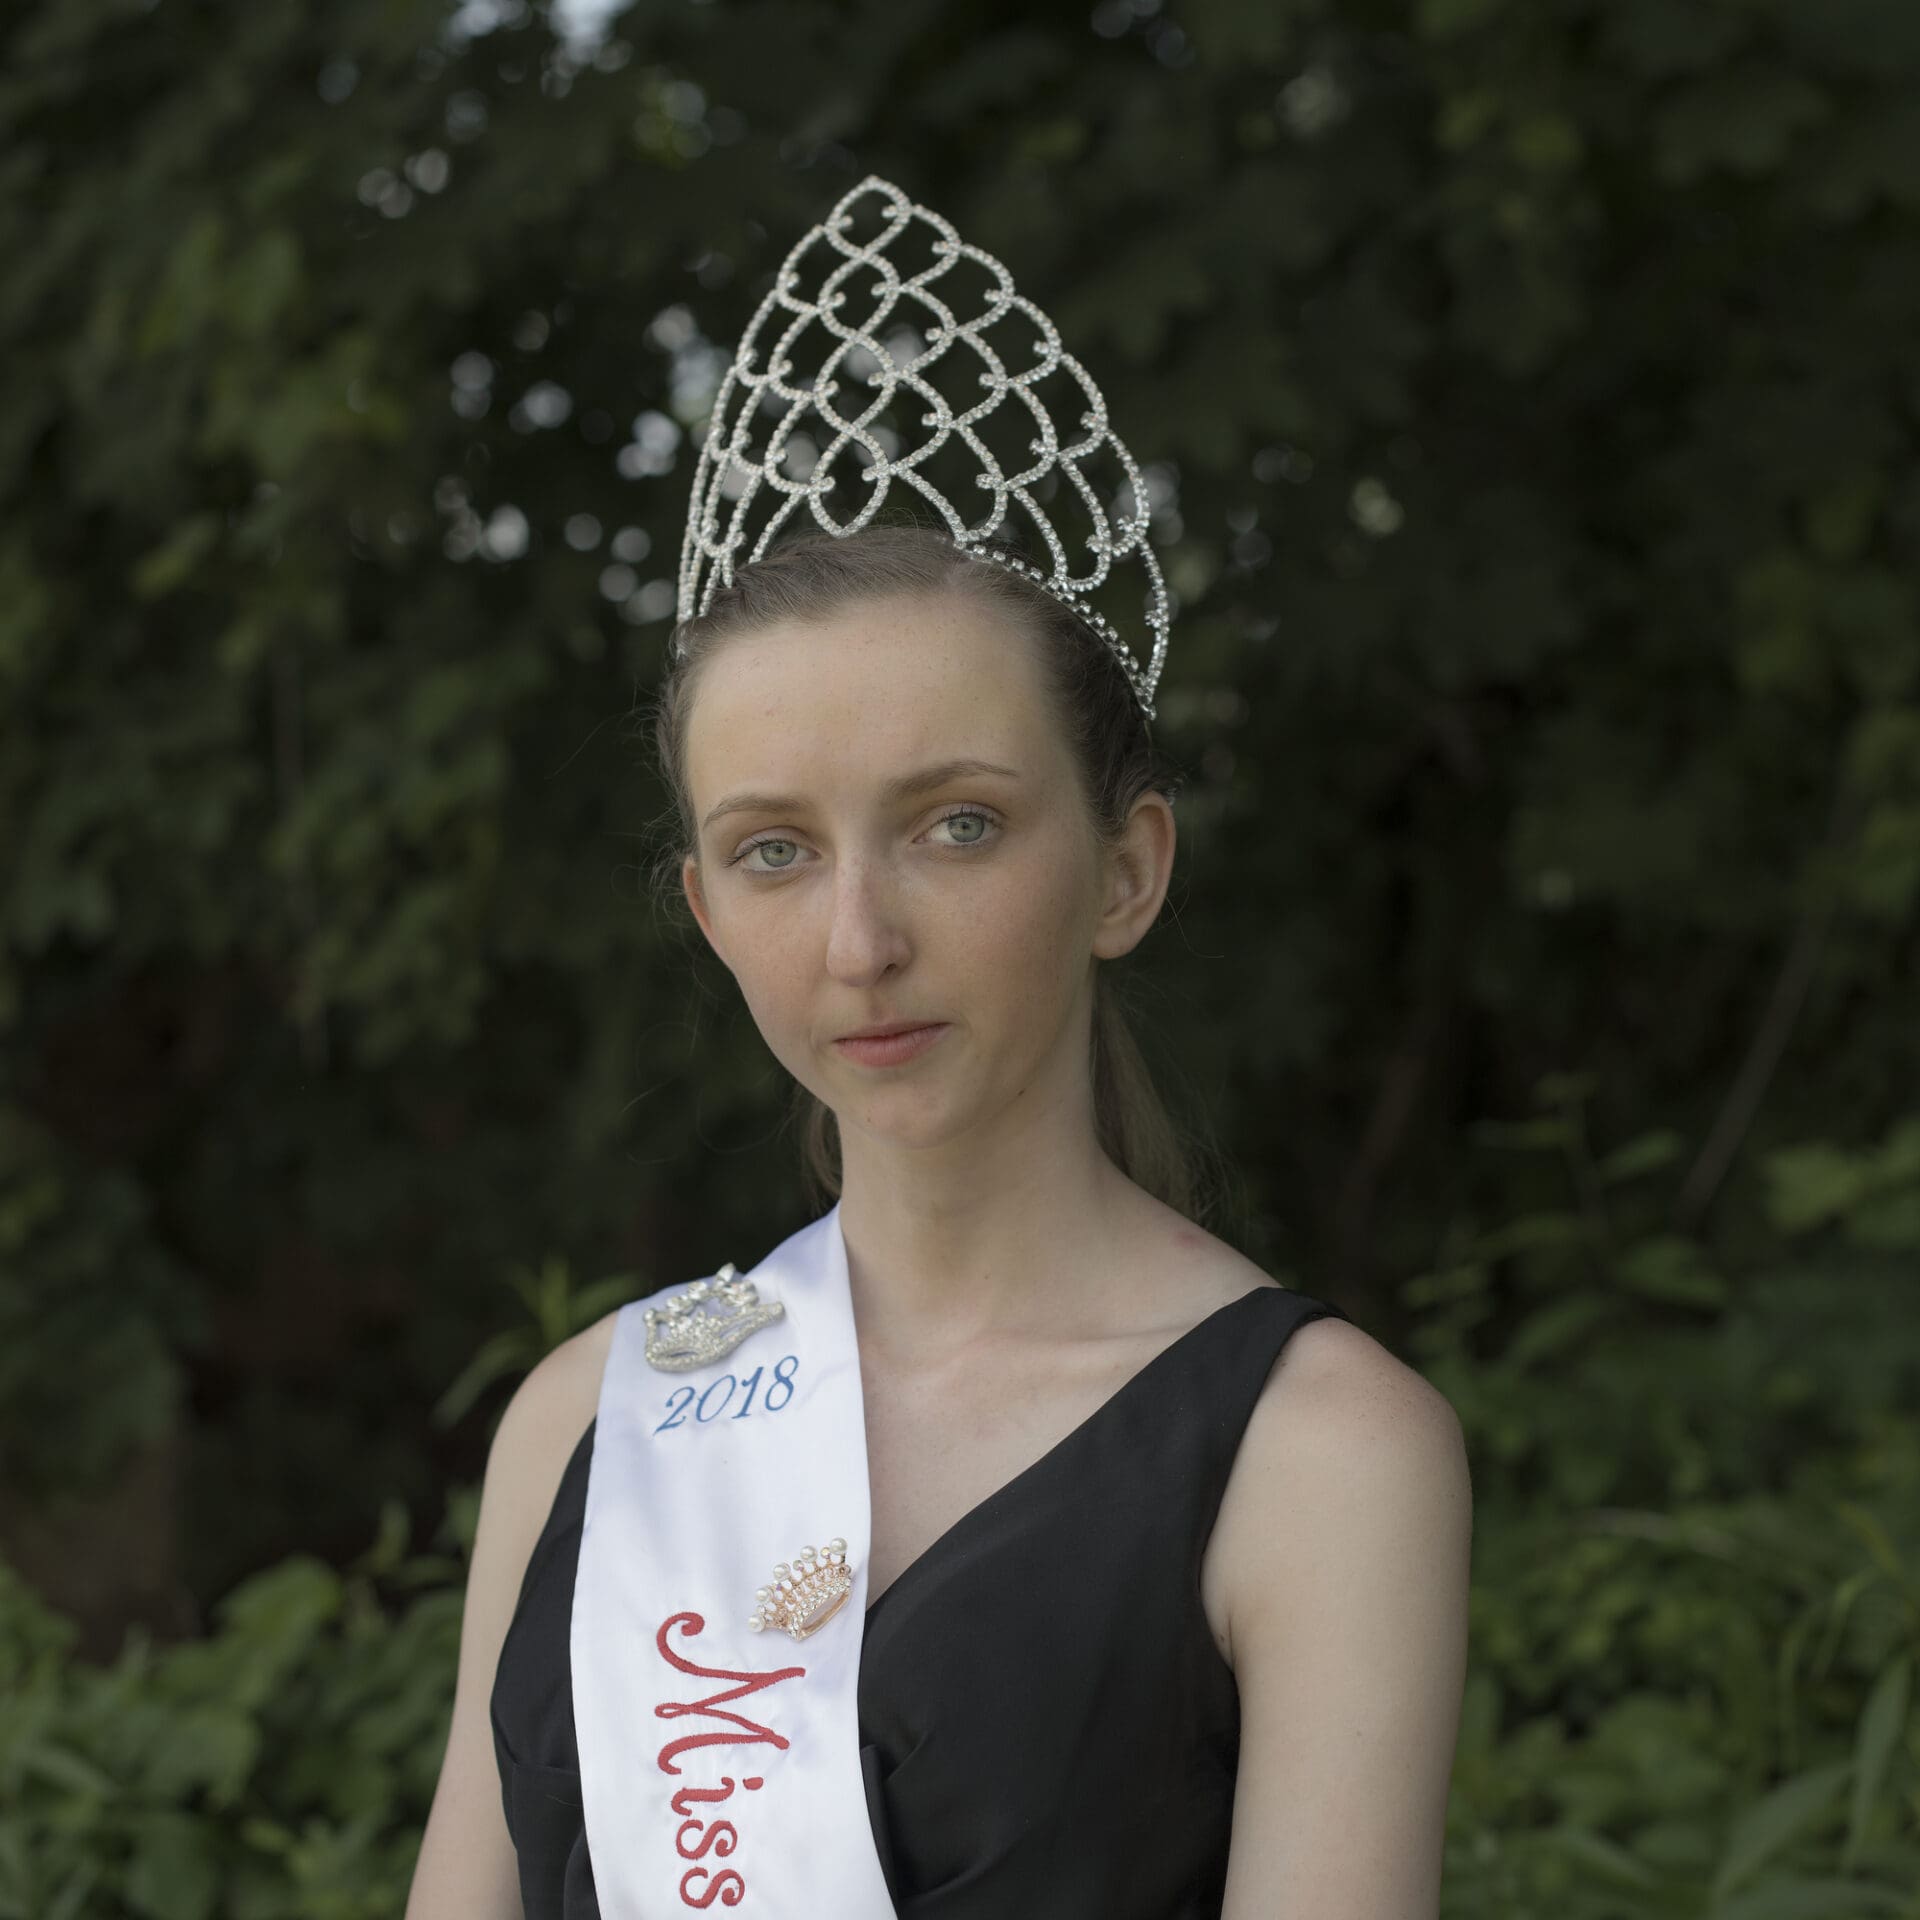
<point>538,1430</point>
<point>551,1408</point>
<point>1340,1410</point>
<point>536,1435</point>
<point>1326,1361</point>
<point>1334,1371</point>
<point>1344,1434</point>
<point>1335,1399</point>
<point>569,1377</point>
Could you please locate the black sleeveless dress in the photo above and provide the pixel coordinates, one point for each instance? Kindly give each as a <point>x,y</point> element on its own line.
<point>1047,1727</point>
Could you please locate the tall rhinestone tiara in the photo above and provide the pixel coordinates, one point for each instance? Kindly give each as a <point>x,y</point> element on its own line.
<point>729,468</point>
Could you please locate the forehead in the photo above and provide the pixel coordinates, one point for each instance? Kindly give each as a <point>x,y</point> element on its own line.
<point>863,692</point>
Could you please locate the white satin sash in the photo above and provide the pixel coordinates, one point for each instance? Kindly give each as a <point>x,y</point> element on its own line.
<point>720,1766</point>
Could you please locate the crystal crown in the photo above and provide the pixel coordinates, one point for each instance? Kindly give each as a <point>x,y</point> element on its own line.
<point>864,313</point>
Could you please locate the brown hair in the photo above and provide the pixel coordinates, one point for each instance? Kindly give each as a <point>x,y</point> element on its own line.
<point>810,576</point>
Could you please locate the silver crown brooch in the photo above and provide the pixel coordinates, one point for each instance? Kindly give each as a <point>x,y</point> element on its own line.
<point>706,1321</point>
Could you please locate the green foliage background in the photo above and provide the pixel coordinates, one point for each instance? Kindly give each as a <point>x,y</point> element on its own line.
<point>1534,388</point>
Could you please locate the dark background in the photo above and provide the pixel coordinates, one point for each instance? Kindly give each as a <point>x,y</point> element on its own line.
<point>1530,393</point>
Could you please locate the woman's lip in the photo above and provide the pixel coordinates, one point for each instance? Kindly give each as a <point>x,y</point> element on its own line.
<point>887,1050</point>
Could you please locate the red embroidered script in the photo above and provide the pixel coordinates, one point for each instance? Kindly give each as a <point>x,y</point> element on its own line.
<point>722,1836</point>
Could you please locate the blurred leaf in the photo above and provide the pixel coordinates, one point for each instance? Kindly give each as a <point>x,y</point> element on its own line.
<point>1674,1270</point>
<point>1787,1812</point>
<point>1881,1725</point>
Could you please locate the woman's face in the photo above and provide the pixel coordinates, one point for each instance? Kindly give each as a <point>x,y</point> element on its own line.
<point>840,898</point>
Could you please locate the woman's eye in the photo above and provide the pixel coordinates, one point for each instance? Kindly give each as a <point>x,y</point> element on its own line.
<point>979,824</point>
<point>968,817</point>
<point>754,846</point>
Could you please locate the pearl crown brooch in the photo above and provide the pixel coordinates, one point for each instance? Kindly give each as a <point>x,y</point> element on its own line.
<point>805,1595</point>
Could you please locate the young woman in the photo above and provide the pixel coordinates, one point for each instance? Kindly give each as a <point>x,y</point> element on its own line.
<point>1158,1586</point>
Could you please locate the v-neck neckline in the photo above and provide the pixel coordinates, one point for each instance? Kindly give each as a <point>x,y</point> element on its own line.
<point>1026,1473</point>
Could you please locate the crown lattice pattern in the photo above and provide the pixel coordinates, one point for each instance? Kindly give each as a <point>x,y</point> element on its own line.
<point>762,485</point>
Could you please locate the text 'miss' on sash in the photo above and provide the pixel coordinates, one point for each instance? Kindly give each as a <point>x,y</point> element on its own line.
<point>720,1766</point>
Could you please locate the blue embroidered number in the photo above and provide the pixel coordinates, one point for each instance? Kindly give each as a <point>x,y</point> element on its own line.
<point>684,1396</point>
<point>781,1380</point>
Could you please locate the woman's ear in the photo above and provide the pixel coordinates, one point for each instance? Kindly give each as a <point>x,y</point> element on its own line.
<point>690,886</point>
<point>1138,872</point>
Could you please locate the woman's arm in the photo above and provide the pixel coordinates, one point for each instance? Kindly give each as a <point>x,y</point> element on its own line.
<point>1347,1601</point>
<point>466,1869</point>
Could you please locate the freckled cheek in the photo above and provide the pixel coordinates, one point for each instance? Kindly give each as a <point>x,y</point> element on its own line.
<point>1019,948</point>
<point>777,980</point>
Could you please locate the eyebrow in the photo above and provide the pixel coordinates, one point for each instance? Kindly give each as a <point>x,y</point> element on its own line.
<point>902,787</point>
